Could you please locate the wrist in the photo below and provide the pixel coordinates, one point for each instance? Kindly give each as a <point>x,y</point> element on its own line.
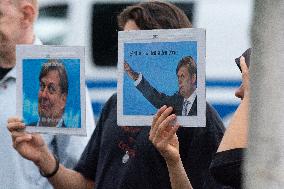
<point>48,165</point>
<point>136,76</point>
<point>173,162</point>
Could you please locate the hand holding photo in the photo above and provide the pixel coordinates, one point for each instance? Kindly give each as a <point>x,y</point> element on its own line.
<point>163,70</point>
<point>48,101</point>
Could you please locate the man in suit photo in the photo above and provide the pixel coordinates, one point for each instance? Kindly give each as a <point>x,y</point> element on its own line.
<point>183,101</point>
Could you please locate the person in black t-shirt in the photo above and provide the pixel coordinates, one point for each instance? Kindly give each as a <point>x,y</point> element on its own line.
<point>123,157</point>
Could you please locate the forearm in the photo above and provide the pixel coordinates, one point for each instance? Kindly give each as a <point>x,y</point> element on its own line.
<point>70,179</point>
<point>64,178</point>
<point>178,176</point>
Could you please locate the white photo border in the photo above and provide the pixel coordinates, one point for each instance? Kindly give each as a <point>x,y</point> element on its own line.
<point>52,52</point>
<point>168,35</point>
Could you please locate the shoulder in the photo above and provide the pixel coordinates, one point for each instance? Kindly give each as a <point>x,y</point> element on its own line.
<point>213,120</point>
<point>226,167</point>
<point>109,109</point>
<point>110,103</point>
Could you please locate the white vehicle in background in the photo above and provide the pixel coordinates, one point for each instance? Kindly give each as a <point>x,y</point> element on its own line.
<point>92,23</point>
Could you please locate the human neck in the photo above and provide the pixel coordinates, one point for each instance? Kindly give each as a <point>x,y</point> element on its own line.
<point>6,65</point>
<point>190,93</point>
<point>8,59</point>
<point>29,38</point>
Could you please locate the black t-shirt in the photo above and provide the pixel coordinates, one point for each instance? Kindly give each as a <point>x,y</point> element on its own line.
<point>226,167</point>
<point>124,158</point>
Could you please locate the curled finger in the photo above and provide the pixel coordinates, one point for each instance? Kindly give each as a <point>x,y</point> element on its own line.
<point>15,126</point>
<point>21,139</point>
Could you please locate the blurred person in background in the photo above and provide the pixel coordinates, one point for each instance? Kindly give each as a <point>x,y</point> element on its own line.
<point>17,18</point>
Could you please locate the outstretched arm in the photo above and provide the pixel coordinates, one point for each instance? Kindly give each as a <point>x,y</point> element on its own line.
<point>32,147</point>
<point>164,138</point>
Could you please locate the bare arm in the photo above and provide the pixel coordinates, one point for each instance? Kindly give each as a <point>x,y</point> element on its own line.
<point>69,179</point>
<point>33,148</point>
<point>164,138</point>
<point>178,176</point>
<point>236,134</point>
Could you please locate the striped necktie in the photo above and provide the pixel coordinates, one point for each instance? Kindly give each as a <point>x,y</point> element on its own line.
<point>184,108</point>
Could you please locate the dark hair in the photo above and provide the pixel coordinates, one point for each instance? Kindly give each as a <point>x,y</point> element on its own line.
<point>57,65</point>
<point>189,62</point>
<point>154,15</point>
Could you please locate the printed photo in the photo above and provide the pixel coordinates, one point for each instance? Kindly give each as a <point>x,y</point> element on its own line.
<point>51,92</point>
<point>161,69</point>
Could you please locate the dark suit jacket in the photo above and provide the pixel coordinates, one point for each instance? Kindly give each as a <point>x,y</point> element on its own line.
<point>159,99</point>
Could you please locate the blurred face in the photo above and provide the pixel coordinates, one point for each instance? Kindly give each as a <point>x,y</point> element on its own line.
<point>10,32</point>
<point>185,82</point>
<point>51,102</point>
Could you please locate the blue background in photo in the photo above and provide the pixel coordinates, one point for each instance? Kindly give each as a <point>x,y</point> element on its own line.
<point>159,70</point>
<point>31,71</point>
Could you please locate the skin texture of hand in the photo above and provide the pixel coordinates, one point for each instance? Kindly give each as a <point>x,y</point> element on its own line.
<point>163,134</point>
<point>131,73</point>
<point>30,146</point>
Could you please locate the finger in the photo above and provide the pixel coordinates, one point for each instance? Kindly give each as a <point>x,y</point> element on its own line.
<point>156,117</point>
<point>160,118</point>
<point>171,133</point>
<point>16,134</point>
<point>21,139</point>
<point>15,126</point>
<point>159,113</point>
<point>14,119</point>
<point>162,127</point>
<point>164,115</point>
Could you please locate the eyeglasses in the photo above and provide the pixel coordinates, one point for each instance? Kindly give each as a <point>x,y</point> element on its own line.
<point>51,88</point>
<point>246,55</point>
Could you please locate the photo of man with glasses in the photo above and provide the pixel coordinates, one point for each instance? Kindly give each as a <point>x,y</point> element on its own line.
<point>52,94</point>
